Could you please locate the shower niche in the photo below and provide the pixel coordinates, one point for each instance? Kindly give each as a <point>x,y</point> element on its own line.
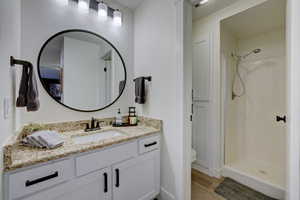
<point>253,65</point>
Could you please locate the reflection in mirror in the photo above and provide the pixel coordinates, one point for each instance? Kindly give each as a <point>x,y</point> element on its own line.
<point>82,70</point>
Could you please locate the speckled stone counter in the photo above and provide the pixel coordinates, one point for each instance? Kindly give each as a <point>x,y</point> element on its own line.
<point>17,155</point>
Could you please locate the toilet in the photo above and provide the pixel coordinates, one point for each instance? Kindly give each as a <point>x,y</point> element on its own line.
<point>193,155</point>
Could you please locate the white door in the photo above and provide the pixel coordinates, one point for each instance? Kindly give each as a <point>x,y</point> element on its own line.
<point>137,179</point>
<point>94,186</point>
<point>201,70</point>
<point>201,101</point>
<point>200,136</point>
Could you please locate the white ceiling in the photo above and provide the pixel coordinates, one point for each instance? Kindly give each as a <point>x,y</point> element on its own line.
<point>205,10</point>
<point>132,4</point>
<point>257,20</point>
<point>211,7</point>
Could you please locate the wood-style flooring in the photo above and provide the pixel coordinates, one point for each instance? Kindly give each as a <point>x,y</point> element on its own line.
<point>203,187</point>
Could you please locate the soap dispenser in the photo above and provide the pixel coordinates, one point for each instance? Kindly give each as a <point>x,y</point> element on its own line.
<point>119,118</point>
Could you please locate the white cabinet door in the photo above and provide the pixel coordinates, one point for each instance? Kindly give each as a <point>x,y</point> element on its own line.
<point>201,70</point>
<point>94,186</point>
<point>137,179</point>
<point>200,133</point>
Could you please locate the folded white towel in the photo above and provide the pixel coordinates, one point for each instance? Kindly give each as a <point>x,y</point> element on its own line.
<point>44,139</point>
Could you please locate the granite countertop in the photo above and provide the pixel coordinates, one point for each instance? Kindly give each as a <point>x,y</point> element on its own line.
<point>17,155</point>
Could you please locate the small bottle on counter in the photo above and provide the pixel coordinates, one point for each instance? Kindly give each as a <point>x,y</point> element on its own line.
<point>119,118</point>
<point>132,118</point>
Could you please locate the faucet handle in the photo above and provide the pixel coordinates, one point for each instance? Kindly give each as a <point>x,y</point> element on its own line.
<point>87,126</point>
<point>99,124</point>
<point>93,122</point>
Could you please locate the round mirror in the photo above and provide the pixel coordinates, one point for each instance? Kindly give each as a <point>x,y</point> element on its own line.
<point>82,70</point>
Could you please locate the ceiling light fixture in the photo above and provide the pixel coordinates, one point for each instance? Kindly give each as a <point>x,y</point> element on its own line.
<point>117,17</point>
<point>197,3</point>
<point>63,2</point>
<point>102,10</point>
<point>84,5</point>
<point>203,2</point>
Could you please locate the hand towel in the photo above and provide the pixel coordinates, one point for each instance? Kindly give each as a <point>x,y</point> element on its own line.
<point>140,90</point>
<point>28,91</point>
<point>33,103</point>
<point>121,86</point>
<point>22,98</point>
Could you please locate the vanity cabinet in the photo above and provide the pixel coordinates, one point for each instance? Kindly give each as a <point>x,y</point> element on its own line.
<point>137,178</point>
<point>93,186</point>
<point>128,171</point>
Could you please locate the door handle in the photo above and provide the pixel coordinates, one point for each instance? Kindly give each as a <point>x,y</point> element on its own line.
<point>105,183</point>
<point>283,118</point>
<point>117,178</point>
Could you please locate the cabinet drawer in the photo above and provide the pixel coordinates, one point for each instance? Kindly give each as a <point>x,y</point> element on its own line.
<point>149,144</point>
<point>101,159</point>
<point>38,178</point>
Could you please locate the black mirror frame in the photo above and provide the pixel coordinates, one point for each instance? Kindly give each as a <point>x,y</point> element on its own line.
<point>84,31</point>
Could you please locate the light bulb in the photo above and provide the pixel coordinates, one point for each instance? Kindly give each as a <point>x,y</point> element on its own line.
<point>117,20</point>
<point>63,2</point>
<point>203,2</point>
<point>83,5</point>
<point>102,10</point>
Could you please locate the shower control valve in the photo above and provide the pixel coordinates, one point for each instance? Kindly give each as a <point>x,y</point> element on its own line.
<point>278,119</point>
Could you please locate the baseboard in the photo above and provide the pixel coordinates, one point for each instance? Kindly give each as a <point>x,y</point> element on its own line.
<point>201,169</point>
<point>165,195</point>
<point>217,173</point>
<point>255,183</point>
<point>210,172</point>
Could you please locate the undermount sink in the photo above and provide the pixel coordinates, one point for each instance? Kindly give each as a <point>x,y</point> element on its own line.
<point>96,137</point>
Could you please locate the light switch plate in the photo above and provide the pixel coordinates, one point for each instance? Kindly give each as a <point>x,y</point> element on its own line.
<point>6,107</point>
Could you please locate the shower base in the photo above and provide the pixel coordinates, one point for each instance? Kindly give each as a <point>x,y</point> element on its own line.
<point>268,180</point>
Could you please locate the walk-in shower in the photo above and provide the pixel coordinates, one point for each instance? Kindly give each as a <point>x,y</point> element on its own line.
<point>254,140</point>
<point>238,76</point>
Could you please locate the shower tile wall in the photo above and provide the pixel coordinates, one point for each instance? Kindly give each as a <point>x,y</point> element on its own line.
<point>265,97</point>
<point>228,46</point>
<point>254,141</point>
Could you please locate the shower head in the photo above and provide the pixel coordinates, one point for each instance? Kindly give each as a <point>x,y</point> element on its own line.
<point>251,52</point>
<point>256,50</point>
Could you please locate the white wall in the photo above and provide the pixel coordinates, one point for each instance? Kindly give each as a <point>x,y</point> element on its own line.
<point>211,25</point>
<point>156,55</point>
<point>9,46</point>
<point>187,95</point>
<point>293,48</point>
<point>42,19</point>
